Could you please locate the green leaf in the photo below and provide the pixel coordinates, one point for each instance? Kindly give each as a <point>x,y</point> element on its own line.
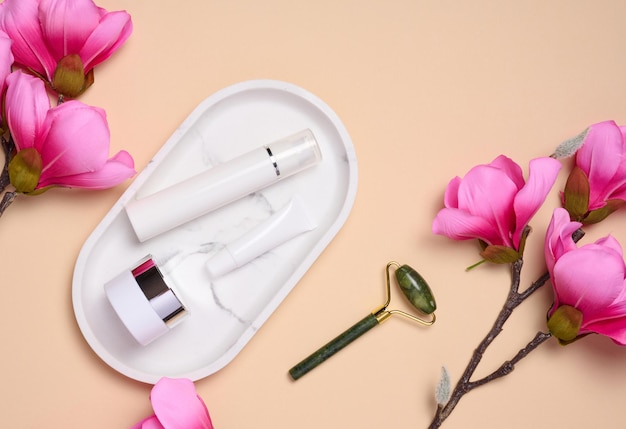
<point>576,194</point>
<point>522,241</point>
<point>500,254</point>
<point>25,169</point>
<point>602,213</point>
<point>69,76</point>
<point>565,323</point>
<point>483,244</point>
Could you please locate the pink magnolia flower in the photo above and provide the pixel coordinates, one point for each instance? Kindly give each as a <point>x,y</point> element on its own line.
<point>6,59</point>
<point>589,283</point>
<point>597,184</point>
<point>493,203</point>
<point>176,406</point>
<point>44,32</point>
<point>71,139</point>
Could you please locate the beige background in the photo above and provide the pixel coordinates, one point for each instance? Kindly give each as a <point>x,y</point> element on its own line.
<point>426,89</point>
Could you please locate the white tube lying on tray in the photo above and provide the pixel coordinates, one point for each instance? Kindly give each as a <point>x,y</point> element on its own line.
<point>222,184</point>
<point>288,222</point>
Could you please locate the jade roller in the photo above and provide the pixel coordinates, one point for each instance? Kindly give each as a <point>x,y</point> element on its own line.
<point>413,287</point>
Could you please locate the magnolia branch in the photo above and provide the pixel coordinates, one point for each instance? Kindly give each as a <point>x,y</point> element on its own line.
<point>7,147</point>
<point>7,196</point>
<point>508,366</point>
<point>513,300</point>
<point>464,385</point>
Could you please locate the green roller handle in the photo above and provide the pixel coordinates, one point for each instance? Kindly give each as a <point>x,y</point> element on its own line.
<point>351,334</point>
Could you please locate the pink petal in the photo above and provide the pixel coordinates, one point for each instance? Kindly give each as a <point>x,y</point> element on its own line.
<point>66,24</point>
<point>617,189</point>
<point>149,423</point>
<point>76,140</point>
<point>600,157</point>
<point>510,168</point>
<point>589,278</point>
<point>451,196</point>
<point>19,19</point>
<point>114,172</point>
<point>619,193</point>
<point>6,59</point>
<point>106,38</point>
<point>460,225</point>
<point>610,242</point>
<point>26,106</point>
<point>541,178</point>
<point>177,405</point>
<point>559,237</point>
<point>488,192</point>
<point>610,323</point>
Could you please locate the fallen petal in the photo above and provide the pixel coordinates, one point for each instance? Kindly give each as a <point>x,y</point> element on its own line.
<point>178,406</point>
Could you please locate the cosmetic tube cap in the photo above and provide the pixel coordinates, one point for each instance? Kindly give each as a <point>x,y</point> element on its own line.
<point>294,153</point>
<point>144,302</point>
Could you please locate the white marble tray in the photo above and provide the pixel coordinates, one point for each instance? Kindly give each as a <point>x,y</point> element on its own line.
<point>226,313</point>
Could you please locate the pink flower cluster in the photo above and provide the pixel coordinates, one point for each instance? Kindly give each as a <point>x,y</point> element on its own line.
<point>46,31</point>
<point>591,279</point>
<point>68,144</point>
<point>597,184</point>
<point>492,203</point>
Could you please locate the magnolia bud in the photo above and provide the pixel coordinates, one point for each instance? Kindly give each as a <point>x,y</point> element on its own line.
<point>69,76</point>
<point>25,170</point>
<point>565,323</point>
<point>571,146</point>
<point>443,390</point>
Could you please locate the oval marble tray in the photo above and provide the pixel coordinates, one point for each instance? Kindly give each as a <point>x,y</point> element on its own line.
<point>225,313</point>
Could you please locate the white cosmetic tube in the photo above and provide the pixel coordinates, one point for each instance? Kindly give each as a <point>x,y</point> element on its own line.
<point>222,184</point>
<point>285,224</point>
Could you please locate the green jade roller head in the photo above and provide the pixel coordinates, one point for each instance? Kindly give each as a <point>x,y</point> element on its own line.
<point>413,287</point>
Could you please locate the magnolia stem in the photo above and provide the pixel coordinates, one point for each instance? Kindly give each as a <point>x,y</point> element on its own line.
<point>7,198</point>
<point>6,201</point>
<point>513,300</point>
<point>7,146</point>
<point>464,385</point>
<point>507,367</point>
<point>4,179</point>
